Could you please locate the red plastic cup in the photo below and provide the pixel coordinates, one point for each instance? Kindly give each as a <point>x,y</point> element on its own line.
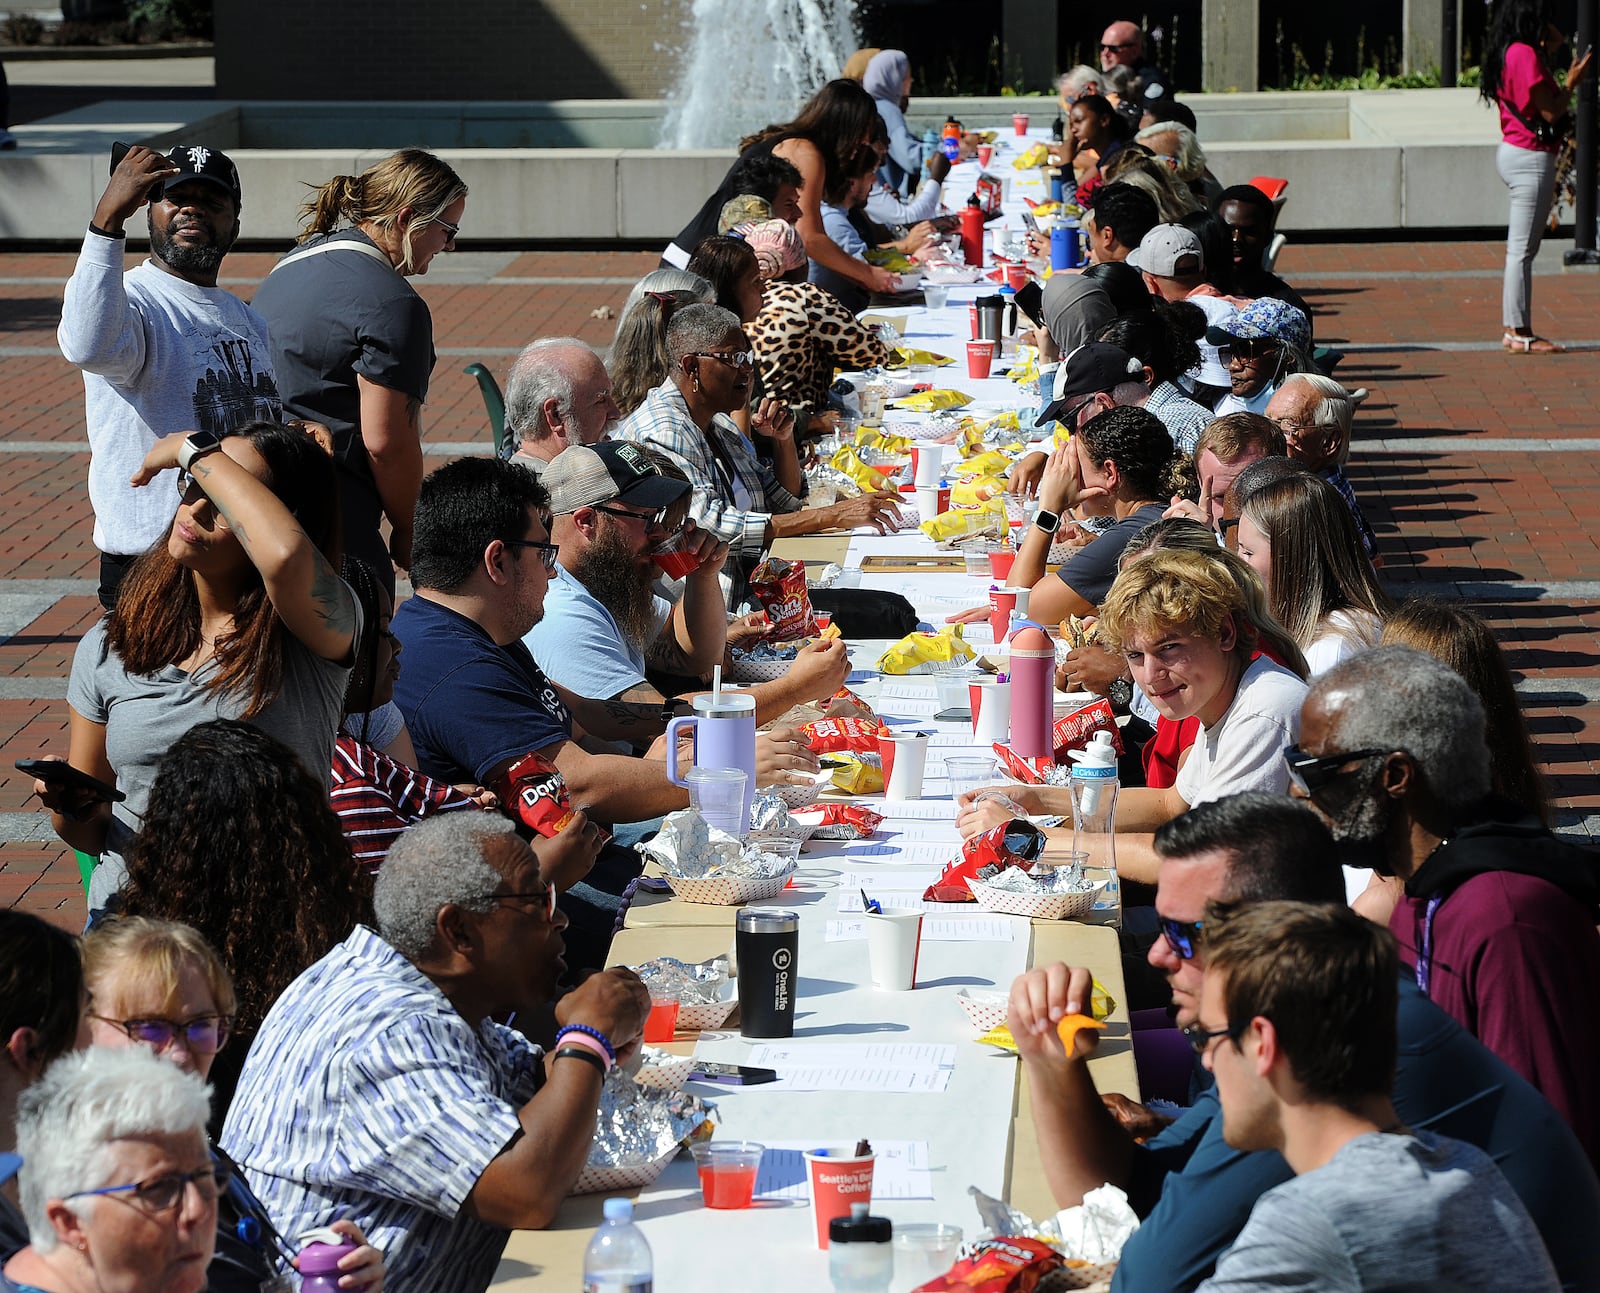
<point>1000,562</point>
<point>985,154</point>
<point>1019,122</point>
<point>972,318</point>
<point>838,1178</point>
<point>1016,277</point>
<point>674,562</point>
<point>1002,601</point>
<point>727,1172</point>
<point>662,1021</point>
<point>980,356</point>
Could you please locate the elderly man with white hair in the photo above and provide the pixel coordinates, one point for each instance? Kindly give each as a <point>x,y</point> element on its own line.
<point>380,1088</point>
<point>118,1184</point>
<point>1122,45</point>
<point>1315,414</point>
<point>558,394</point>
<point>1494,914</point>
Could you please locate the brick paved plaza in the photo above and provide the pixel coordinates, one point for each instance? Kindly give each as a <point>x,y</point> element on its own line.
<point>1479,470</point>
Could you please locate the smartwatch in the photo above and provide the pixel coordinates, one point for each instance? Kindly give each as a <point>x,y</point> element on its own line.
<point>1049,522</point>
<point>196,445</point>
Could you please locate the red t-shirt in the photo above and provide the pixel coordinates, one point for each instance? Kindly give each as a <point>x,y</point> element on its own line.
<point>1523,70</point>
<point>1162,751</point>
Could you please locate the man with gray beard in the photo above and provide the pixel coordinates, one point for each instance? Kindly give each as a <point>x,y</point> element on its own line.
<point>612,505</point>
<point>161,346</point>
<point>1495,916</point>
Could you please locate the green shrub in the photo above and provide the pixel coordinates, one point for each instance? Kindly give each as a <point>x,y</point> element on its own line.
<point>24,29</point>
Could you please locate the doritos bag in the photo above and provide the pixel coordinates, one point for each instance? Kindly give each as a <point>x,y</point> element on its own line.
<point>1014,843</point>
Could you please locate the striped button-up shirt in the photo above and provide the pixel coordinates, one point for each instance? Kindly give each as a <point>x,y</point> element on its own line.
<point>367,1096</point>
<point>736,509</point>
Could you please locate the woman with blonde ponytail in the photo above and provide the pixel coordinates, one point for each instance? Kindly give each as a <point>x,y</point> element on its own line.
<point>352,341</point>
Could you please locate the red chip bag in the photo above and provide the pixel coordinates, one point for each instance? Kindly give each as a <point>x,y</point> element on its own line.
<point>1028,771</point>
<point>1013,843</point>
<point>844,703</point>
<point>535,794</point>
<point>1004,1264</point>
<point>839,735</point>
<point>839,821</point>
<point>780,587</point>
<point>1073,731</point>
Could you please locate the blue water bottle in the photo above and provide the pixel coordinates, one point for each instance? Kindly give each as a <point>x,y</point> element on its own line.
<point>1057,189</point>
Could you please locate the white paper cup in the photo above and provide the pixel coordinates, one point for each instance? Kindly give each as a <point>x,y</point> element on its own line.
<point>929,464</point>
<point>1022,601</point>
<point>893,941</point>
<point>927,502</point>
<point>991,711</point>
<point>905,760</point>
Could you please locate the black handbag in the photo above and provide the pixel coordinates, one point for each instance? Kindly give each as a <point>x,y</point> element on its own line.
<point>867,612</point>
<point>1547,134</point>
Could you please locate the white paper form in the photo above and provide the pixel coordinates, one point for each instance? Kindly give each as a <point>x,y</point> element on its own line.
<point>946,929</point>
<point>889,900</point>
<point>940,851</point>
<point>899,1170</point>
<point>916,1067</point>
<point>914,878</point>
<point>916,810</point>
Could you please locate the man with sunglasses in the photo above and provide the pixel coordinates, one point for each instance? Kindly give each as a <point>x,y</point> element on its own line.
<point>1496,915</point>
<point>1122,45</point>
<point>1297,1025</point>
<point>1192,1189</point>
<point>382,1089</point>
<point>613,505</point>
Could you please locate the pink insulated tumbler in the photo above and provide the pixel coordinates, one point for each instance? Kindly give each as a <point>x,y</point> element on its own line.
<point>1033,666</point>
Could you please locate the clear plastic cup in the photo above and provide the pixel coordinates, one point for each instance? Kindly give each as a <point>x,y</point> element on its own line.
<point>923,1251</point>
<point>935,295</point>
<point>662,1022</point>
<point>951,688</point>
<point>728,1170</point>
<point>969,773</point>
<point>717,794</point>
<point>783,846</point>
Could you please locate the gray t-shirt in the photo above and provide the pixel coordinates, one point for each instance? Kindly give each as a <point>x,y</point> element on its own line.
<point>1422,1213</point>
<point>144,715</point>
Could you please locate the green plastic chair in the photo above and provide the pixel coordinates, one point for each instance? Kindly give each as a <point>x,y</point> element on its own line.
<point>493,403</point>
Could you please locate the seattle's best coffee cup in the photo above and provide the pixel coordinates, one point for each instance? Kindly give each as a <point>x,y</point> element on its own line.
<point>838,1177</point>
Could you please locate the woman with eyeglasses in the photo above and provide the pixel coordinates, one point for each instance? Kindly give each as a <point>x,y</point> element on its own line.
<point>238,613</point>
<point>157,985</point>
<point>239,843</point>
<point>1181,622</point>
<point>352,340</point>
<point>743,501</point>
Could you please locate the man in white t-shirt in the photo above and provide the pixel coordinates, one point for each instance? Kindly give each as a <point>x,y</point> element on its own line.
<point>161,346</point>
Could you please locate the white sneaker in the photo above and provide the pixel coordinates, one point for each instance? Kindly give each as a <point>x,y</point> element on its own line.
<point>7,139</point>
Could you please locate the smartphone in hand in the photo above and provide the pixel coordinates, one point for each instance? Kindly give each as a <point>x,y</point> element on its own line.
<point>60,773</point>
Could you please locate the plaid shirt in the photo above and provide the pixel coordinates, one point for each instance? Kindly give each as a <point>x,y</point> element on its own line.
<point>663,423</point>
<point>1369,540</point>
<point>1184,418</point>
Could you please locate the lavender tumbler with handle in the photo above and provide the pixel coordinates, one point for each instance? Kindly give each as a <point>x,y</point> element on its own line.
<point>724,737</point>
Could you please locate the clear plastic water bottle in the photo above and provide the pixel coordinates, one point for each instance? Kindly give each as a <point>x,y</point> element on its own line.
<point>618,1257</point>
<point>1094,818</point>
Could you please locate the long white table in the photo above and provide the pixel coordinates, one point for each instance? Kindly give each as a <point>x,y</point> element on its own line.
<point>973,1131</point>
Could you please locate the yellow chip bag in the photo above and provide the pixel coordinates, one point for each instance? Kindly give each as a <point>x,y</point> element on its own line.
<point>966,519</point>
<point>934,401</point>
<point>847,460</point>
<point>927,652</point>
<point>1007,420</point>
<point>1047,208</point>
<point>882,441</point>
<point>977,489</point>
<point>896,262</point>
<point>905,355</point>
<point>1038,155</point>
<point>857,775</point>
<point>1101,1004</point>
<point>989,463</point>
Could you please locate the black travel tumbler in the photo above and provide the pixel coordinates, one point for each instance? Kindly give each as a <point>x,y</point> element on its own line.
<point>767,944</point>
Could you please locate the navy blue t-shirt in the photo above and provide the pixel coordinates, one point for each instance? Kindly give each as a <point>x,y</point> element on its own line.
<point>469,703</point>
<point>1446,1082</point>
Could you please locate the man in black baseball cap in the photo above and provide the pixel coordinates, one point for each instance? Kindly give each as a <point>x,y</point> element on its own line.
<point>1085,380</point>
<point>162,347</point>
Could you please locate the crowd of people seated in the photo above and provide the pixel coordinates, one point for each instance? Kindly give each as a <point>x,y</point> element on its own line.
<point>329,981</point>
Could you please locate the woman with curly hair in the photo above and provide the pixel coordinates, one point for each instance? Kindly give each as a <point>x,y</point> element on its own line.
<point>239,843</point>
<point>238,613</point>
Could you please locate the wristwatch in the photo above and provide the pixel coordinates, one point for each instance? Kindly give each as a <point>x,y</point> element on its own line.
<point>1049,522</point>
<point>196,445</point>
<point>1120,694</point>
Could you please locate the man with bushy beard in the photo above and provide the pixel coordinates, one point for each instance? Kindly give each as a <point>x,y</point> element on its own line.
<point>162,347</point>
<point>612,503</point>
<point>1495,915</point>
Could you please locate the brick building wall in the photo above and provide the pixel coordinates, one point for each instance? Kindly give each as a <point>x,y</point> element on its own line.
<point>468,49</point>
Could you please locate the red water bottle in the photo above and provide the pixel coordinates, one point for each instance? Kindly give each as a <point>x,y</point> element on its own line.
<point>972,232</point>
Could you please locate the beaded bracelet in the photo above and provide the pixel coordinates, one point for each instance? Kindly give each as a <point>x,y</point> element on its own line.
<point>588,1057</point>
<point>565,1030</point>
<point>588,1045</point>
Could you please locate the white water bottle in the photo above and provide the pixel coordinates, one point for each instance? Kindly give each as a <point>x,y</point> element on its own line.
<point>618,1257</point>
<point>1094,818</point>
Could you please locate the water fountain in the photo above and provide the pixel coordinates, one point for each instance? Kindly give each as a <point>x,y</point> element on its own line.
<point>750,62</point>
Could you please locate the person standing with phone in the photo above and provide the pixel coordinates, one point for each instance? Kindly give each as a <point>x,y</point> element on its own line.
<point>1535,115</point>
<point>161,346</point>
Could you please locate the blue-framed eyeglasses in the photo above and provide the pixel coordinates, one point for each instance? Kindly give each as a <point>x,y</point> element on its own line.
<point>165,1192</point>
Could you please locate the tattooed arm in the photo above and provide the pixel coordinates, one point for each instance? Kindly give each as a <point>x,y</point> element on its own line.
<point>307,593</point>
<point>391,430</point>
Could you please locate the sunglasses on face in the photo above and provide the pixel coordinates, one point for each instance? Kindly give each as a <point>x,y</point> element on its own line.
<point>547,551</point>
<point>651,520</point>
<point>1312,773</point>
<point>1114,48</point>
<point>202,1035</point>
<point>1182,936</point>
<point>451,229</point>
<point>164,1193</point>
<point>545,896</point>
<point>1252,347</point>
<point>734,359</point>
